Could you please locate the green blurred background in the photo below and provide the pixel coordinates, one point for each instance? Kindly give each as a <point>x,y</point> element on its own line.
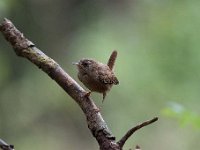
<point>157,66</point>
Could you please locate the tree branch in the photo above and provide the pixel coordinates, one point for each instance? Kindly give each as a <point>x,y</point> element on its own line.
<point>5,146</point>
<point>122,141</point>
<point>98,127</point>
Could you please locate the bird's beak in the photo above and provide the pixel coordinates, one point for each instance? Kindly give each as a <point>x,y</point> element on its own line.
<point>75,63</point>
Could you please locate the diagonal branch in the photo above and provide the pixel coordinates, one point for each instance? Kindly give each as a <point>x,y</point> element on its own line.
<point>122,141</point>
<point>25,48</point>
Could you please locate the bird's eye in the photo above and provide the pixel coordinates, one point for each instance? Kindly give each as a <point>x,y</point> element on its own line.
<point>85,64</point>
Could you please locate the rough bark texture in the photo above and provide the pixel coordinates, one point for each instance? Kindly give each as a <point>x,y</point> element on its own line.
<point>25,48</point>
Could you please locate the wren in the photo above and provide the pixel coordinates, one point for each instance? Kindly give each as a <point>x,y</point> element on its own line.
<point>96,76</point>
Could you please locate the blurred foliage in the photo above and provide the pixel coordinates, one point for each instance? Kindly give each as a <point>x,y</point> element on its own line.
<point>184,116</point>
<point>158,62</point>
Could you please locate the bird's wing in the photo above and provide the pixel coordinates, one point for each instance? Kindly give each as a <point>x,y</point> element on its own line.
<point>107,77</point>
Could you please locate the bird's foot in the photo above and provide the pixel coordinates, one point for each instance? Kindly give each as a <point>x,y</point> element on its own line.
<point>97,110</point>
<point>87,94</point>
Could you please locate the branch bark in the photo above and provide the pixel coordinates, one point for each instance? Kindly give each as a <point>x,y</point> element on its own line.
<point>25,48</point>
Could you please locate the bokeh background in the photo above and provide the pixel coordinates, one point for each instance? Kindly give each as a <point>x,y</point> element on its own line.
<point>157,66</point>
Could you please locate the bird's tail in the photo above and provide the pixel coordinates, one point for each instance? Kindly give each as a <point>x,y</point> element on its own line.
<point>111,61</point>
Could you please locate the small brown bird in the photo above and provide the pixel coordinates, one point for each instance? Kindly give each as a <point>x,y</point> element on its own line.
<point>96,76</point>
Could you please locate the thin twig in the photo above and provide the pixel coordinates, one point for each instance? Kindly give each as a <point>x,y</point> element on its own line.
<point>122,141</point>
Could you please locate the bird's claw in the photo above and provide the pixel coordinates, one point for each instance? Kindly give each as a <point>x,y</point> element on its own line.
<point>87,94</point>
<point>97,110</point>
